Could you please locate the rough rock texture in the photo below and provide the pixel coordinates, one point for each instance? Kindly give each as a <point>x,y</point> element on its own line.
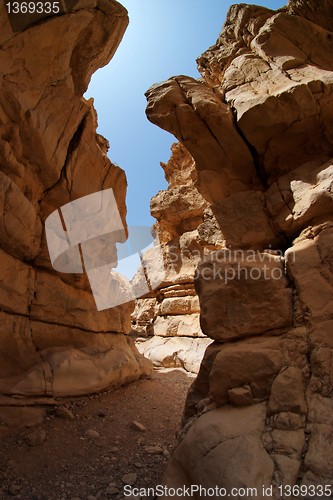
<point>170,316</point>
<point>259,128</point>
<point>53,341</point>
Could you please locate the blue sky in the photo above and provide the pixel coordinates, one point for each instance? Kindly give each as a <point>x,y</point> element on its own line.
<point>164,39</point>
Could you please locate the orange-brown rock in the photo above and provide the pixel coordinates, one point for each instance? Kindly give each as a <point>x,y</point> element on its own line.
<point>53,341</point>
<point>258,125</point>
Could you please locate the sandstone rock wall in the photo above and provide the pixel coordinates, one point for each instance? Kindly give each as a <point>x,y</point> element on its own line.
<point>53,341</point>
<point>259,128</point>
<point>169,317</point>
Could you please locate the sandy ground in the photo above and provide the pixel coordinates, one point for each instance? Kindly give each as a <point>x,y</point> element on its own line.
<point>88,448</point>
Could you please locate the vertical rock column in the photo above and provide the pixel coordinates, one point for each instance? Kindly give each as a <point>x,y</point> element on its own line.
<point>169,317</point>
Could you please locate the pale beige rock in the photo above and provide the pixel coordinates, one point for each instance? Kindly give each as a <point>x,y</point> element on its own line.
<point>181,305</point>
<point>180,169</point>
<point>179,211</point>
<point>145,309</point>
<point>143,316</point>
<point>183,290</point>
<point>179,206</point>
<point>210,232</point>
<point>174,352</point>
<point>174,262</point>
<point>187,325</point>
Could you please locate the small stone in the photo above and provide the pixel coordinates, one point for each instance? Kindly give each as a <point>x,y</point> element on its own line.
<point>130,478</point>
<point>91,497</point>
<point>36,438</point>
<point>154,450</point>
<point>241,396</point>
<point>111,490</point>
<point>112,485</point>
<point>63,412</point>
<point>102,413</point>
<point>14,489</point>
<point>114,449</point>
<point>92,434</point>
<point>138,426</point>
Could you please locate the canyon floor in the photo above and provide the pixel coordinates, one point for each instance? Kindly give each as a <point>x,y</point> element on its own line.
<point>89,447</point>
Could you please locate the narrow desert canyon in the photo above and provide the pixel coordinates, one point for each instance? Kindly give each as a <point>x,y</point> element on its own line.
<point>245,227</point>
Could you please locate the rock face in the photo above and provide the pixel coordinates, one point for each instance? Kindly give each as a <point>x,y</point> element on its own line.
<point>53,341</point>
<point>258,126</point>
<point>170,316</point>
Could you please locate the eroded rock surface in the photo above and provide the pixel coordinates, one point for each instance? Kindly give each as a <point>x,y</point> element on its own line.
<point>258,126</point>
<point>169,317</point>
<point>53,341</point>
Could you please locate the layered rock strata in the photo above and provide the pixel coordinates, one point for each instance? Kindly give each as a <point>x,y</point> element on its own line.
<point>259,128</point>
<point>53,341</point>
<point>169,317</point>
